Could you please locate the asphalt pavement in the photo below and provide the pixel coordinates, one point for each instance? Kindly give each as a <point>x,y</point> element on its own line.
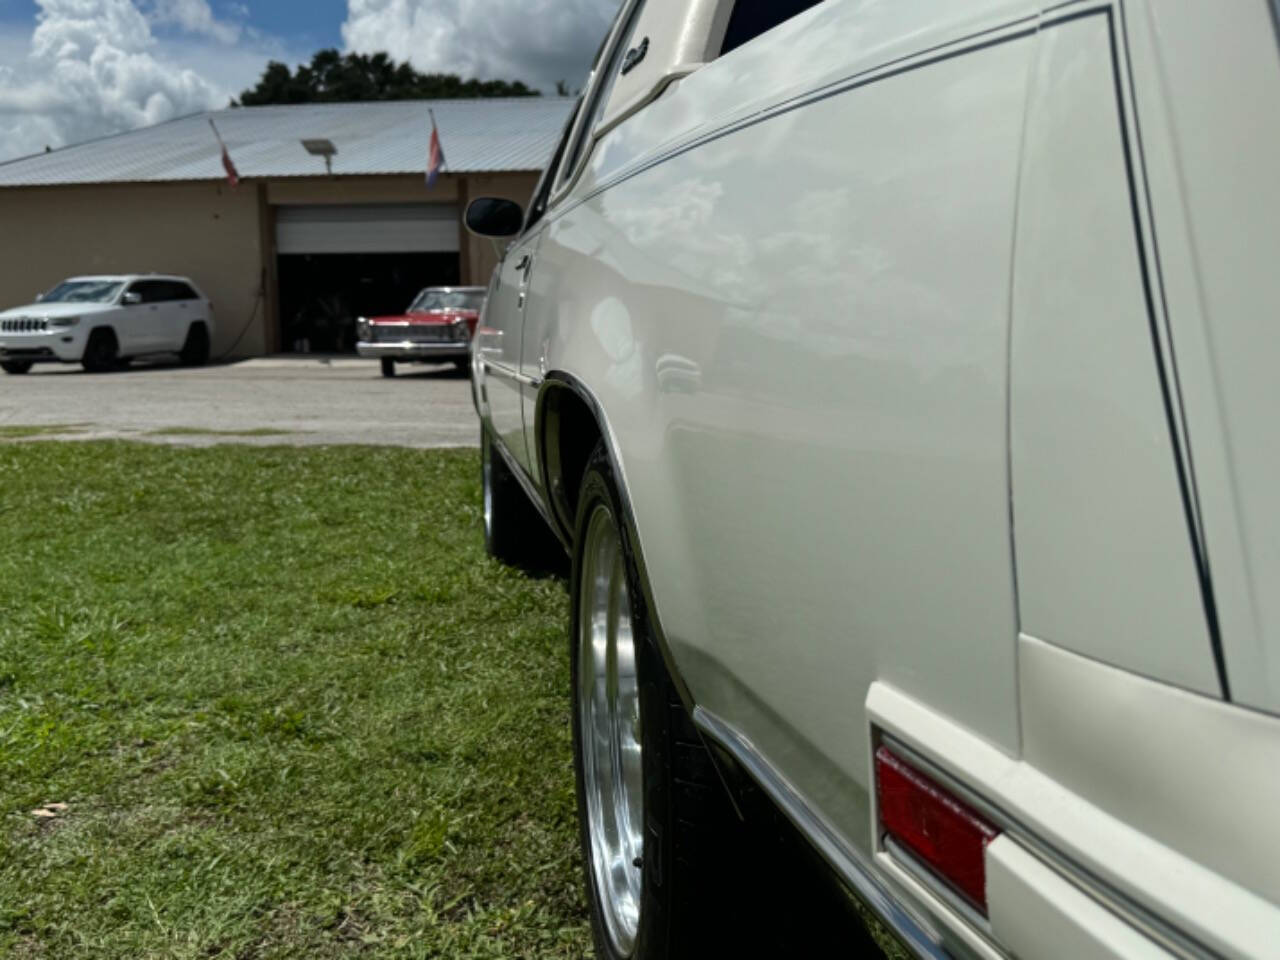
<point>271,400</point>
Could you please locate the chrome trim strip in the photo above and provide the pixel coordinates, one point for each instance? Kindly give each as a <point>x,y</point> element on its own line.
<point>919,871</point>
<point>510,373</point>
<point>1131,912</point>
<point>414,348</point>
<point>913,932</point>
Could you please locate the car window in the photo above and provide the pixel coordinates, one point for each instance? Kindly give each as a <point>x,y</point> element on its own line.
<point>447,300</point>
<point>83,291</point>
<point>542,193</point>
<point>750,18</point>
<point>180,291</point>
<point>600,91</point>
<point>151,291</point>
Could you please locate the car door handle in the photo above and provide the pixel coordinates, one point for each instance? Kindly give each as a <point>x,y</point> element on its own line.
<point>634,56</point>
<point>523,265</point>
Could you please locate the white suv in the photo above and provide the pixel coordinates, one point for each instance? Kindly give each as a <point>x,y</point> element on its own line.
<point>102,322</point>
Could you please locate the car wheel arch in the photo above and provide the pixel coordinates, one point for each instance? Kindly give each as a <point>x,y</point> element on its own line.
<point>569,423</point>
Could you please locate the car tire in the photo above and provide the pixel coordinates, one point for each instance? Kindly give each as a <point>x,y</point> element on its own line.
<point>195,350</point>
<point>670,897</point>
<point>388,367</point>
<point>101,353</point>
<point>514,531</point>
<point>16,367</point>
<point>463,366</point>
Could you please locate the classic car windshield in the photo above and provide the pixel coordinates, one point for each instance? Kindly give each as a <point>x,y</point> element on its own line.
<point>447,300</point>
<point>83,291</point>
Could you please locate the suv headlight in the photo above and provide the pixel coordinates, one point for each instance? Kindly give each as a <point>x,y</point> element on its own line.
<point>60,322</point>
<point>462,330</point>
<point>362,329</point>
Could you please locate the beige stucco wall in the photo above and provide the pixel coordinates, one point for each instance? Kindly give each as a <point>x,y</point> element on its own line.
<point>204,231</point>
<point>222,238</point>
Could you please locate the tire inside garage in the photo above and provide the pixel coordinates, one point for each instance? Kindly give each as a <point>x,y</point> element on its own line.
<point>337,263</point>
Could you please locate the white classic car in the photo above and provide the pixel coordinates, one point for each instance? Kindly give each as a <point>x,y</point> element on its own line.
<point>101,322</point>
<point>900,378</point>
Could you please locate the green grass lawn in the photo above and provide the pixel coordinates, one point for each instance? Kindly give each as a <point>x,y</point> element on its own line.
<point>291,707</point>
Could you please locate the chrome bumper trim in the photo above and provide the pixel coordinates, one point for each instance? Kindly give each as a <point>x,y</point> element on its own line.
<point>414,350</point>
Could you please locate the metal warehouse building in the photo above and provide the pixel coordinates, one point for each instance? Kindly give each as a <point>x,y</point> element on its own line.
<point>294,253</point>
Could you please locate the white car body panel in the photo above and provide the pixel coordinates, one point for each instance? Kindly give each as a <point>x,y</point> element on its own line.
<point>498,340</point>
<point>798,405</point>
<point>878,317</point>
<point>1104,559</point>
<point>67,343</point>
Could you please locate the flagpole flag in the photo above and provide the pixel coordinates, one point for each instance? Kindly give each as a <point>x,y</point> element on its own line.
<point>435,155</point>
<point>233,175</point>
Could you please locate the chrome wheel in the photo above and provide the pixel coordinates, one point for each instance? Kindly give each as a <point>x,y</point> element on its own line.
<point>609,725</point>
<point>486,467</point>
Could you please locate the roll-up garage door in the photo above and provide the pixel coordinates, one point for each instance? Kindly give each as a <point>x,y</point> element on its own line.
<point>374,228</point>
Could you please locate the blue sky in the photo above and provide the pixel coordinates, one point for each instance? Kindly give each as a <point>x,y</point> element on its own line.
<point>72,70</point>
<point>307,23</point>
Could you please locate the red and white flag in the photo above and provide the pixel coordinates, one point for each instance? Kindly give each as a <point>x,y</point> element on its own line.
<point>435,155</point>
<point>233,175</point>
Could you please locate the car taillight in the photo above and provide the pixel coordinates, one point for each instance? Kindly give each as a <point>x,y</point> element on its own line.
<point>935,826</point>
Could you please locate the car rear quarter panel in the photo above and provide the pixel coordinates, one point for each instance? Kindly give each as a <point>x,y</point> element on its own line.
<point>797,331</point>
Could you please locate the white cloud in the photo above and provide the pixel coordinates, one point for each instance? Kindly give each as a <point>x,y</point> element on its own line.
<point>96,67</point>
<point>196,17</point>
<point>537,41</point>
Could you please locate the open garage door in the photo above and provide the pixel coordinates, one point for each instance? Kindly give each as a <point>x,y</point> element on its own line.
<point>337,263</point>
<point>374,228</point>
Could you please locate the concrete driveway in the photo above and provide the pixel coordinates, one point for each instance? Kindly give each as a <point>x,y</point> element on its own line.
<point>273,400</point>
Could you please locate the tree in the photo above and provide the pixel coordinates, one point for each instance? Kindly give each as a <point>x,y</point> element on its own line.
<point>332,77</point>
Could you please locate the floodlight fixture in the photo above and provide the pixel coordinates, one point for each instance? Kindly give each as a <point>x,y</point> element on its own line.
<point>322,148</point>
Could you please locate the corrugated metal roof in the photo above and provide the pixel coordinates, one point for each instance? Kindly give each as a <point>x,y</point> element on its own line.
<point>372,138</point>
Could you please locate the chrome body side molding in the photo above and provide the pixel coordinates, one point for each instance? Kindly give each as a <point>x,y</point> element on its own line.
<point>502,370</point>
<point>912,930</point>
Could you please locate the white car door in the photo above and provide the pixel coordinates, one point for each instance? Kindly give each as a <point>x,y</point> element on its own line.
<point>498,342</point>
<point>185,308</point>
<point>511,382</point>
<point>137,326</point>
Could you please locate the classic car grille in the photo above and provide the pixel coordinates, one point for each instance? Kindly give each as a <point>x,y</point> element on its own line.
<point>422,332</point>
<point>24,325</point>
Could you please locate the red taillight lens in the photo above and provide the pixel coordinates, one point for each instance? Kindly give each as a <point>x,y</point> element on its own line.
<point>932,824</point>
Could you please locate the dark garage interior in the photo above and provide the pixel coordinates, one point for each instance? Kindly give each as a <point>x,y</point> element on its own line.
<point>321,295</point>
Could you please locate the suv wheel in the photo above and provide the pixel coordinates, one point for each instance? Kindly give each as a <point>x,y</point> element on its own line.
<point>654,821</point>
<point>101,352</point>
<point>514,531</point>
<point>388,367</point>
<point>195,351</point>
<point>16,366</point>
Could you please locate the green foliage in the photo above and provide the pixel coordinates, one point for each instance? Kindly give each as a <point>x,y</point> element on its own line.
<point>334,78</point>
<point>292,708</point>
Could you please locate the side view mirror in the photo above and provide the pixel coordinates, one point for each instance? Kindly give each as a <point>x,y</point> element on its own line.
<point>494,218</point>
<point>38,298</point>
<point>130,299</point>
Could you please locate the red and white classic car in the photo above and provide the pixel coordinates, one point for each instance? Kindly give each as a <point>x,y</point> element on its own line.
<point>436,328</point>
